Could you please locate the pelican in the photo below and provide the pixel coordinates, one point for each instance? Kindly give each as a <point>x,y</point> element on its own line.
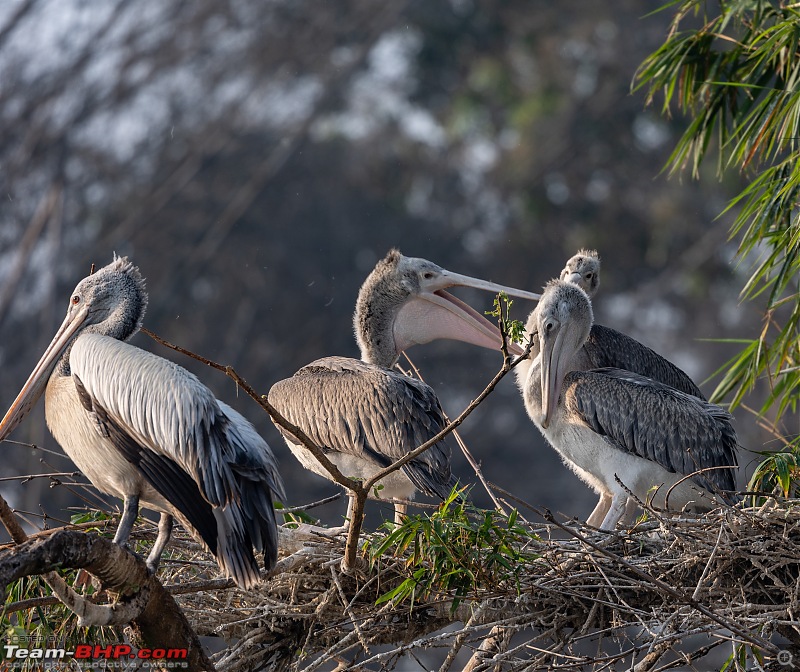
<point>146,430</point>
<point>583,269</point>
<point>366,416</point>
<point>609,347</point>
<point>610,422</point>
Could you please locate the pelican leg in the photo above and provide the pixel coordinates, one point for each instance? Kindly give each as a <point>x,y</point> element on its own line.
<point>130,512</point>
<point>603,505</point>
<point>351,505</point>
<point>400,513</point>
<point>616,510</point>
<point>164,532</point>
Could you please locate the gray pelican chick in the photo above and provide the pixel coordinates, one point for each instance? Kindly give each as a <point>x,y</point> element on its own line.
<point>146,430</point>
<point>610,422</point>
<point>365,415</point>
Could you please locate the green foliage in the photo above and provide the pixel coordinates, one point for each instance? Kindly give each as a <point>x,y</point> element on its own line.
<point>456,551</point>
<point>89,516</point>
<point>52,626</point>
<point>737,73</point>
<point>778,473</point>
<point>513,330</point>
<point>294,518</point>
<point>739,658</point>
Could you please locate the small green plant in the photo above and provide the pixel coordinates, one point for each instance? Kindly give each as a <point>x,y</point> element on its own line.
<point>513,330</point>
<point>778,473</point>
<point>739,658</point>
<point>46,626</point>
<point>294,518</point>
<point>456,552</point>
<point>89,516</point>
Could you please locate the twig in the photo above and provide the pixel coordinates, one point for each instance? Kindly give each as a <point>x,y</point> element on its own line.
<point>461,444</point>
<point>666,588</point>
<point>312,505</point>
<point>11,523</point>
<point>30,477</point>
<point>348,610</point>
<point>276,417</point>
<point>458,642</point>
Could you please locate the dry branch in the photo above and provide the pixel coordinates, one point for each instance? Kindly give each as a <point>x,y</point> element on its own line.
<point>156,620</point>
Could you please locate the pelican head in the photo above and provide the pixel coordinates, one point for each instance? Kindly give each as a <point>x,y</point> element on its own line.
<point>583,270</point>
<point>403,303</point>
<point>563,319</point>
<point>111,302</point>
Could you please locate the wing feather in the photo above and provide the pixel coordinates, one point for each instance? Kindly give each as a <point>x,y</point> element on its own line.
<point>679,431</point>
<point>353,408</point>
<point>173,423</point>
<point>163,474</point>
<point>608,347</point>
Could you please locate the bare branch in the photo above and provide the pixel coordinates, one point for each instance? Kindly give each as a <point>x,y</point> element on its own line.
<point>276,417</point>
<point>152,612</point>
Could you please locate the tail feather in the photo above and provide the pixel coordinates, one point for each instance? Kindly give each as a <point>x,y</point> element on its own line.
<point>240,529</point>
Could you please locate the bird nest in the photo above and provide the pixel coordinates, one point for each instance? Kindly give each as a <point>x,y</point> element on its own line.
<point>674,590</point>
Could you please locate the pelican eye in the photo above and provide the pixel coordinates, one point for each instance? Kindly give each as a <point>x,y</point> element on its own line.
<point>76,299</point>
<point>589,275</point>
<point>427,275</point>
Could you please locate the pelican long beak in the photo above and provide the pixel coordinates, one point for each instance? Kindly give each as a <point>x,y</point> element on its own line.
<point>574,278</point>
<point>552,372</point>
<point>450,279</point>
<point>435,313</point>
<point>37,381</point>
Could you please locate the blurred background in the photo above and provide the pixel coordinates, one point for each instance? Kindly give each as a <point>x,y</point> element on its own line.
<point>255,159</point>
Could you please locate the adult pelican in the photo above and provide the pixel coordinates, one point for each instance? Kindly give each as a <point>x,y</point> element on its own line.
<point>609,347</point>
<point>366,416</point>
<point>146,430</point>
<point>609,422</point>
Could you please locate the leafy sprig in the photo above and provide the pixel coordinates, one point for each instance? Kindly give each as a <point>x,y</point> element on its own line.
<point>456,552</point>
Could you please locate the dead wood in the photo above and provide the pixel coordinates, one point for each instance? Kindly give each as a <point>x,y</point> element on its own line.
<point>155,618</point>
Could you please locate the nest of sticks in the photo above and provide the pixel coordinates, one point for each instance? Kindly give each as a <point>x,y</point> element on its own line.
<point>676,590</point>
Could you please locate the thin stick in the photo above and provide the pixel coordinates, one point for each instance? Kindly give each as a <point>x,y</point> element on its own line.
<point>466,451</point>
<point>669,590</point>
<point>276,417</point>
<point>11,522</point>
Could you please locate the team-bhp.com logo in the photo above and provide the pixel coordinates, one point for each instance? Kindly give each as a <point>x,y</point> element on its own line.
<point>87,655</point>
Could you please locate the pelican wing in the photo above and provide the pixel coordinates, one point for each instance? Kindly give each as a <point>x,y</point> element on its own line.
<point>349,407</point>
<point>651,420</point>
<point>198,453</point>
<point>165,475</point>
<point>607,347</point>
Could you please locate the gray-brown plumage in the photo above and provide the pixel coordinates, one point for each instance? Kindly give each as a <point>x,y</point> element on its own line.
<point>609,422</point>
<point>146,430</point>
<point>366,416</point>
<point>609,347</point>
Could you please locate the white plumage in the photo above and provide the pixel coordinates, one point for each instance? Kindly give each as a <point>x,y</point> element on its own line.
<point>144,429</point>
<point>608,422</point>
